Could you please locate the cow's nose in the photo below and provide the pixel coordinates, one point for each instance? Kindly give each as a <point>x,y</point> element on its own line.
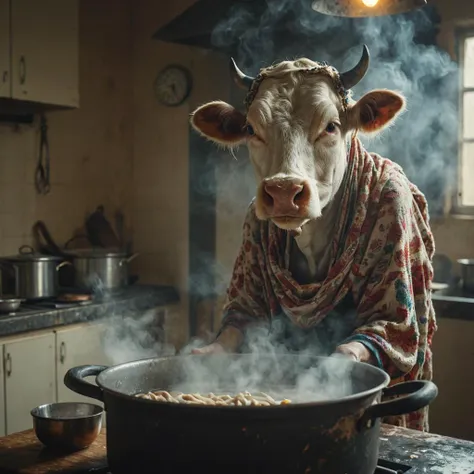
<point>282,197</point>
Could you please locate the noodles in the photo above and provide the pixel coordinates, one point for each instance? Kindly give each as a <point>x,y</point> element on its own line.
<point>259,399</point>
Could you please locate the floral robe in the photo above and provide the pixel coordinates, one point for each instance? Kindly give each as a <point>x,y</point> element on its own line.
<point>381,256</point>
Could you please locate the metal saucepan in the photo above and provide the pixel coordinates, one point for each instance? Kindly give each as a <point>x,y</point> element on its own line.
<point>331,435</point>
<point>467,274</point>
<point>36,275</point>
<point>67,426</point>
<point>9,304</point>
<point>100,268</point>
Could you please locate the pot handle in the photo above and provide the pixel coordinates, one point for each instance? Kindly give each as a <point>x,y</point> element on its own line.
<point>63,264</point>
<point>74,380</point>
<point>419,394</point>
<point>26,250</point>
<point>128,259</point>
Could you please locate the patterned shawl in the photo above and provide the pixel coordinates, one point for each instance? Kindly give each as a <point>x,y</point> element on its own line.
<point>381,256</point>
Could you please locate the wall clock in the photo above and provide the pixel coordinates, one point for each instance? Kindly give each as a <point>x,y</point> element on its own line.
<point>173,85</point>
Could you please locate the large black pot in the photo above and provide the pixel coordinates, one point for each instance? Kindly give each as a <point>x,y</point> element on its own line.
<point>337,434</point>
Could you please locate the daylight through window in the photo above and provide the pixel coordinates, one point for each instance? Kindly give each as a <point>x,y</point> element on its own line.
<point>466,175</point>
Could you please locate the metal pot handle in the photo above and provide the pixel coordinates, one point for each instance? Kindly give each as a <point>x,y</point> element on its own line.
<point>419,394</point>
<point>63,264</point>
<point>26,250</point>
<point>128,259</point>
<point>74,380</point>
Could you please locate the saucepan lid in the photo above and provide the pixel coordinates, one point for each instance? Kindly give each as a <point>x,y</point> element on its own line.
<point>28,254</point>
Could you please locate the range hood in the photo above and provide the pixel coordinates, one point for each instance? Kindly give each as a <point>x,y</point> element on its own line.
<point>196,25</point>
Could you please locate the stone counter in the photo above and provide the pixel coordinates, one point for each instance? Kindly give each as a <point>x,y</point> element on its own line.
<point>134,299</point>
<point>454,303</point>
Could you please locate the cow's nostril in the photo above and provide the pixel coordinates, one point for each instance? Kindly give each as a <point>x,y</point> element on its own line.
<point>267,197</point>
<point>299,194</point>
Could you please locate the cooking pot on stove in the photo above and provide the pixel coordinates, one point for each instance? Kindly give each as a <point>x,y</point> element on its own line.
<point>36,275</point>
<point>100,269</point>
<point>331,435</point>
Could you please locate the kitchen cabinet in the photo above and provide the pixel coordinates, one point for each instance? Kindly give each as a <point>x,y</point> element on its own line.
<point>42,51</point>
<point>452,413</point>
<point>78,345</point>
<point>30,378</point>
<point>34,366</point>
<point>5,48</point>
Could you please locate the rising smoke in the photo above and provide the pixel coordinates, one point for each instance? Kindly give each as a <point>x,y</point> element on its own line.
<point>404,58</point>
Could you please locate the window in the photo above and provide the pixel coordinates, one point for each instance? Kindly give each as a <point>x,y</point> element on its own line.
<point>466,132</point>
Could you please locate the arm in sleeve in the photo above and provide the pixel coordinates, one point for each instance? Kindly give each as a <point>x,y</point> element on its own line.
<point>395,311</point>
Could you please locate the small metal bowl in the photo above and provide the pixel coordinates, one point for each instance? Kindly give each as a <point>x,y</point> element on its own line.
<point>69,426</point>
<point>9,304</point>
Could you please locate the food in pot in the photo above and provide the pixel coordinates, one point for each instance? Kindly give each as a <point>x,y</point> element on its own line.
<point>259,399</point>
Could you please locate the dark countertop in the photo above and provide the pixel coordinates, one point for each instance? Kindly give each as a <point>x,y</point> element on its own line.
<point>454,303</point>
<point>133,299</point>
<point>450,303</point>
<point>402,450</point>
<point>417,452</point>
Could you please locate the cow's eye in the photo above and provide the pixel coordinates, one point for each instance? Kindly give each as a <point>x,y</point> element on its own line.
<point>331,127</point>
<point>250,130</point>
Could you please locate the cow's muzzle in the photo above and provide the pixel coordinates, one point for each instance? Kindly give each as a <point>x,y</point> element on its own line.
<point>285,197</point>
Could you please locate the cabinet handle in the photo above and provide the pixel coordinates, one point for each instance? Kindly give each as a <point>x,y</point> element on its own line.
<point>5,77</point>
<point>22,70</point>
<point>62,352</point>
<point>8,365</point>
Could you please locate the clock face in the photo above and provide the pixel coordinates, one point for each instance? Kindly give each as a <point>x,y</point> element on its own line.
<point>173,85</point>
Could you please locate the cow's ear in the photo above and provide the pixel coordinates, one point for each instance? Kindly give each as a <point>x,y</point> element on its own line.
<point>375,110</point>
<point>220,122</point>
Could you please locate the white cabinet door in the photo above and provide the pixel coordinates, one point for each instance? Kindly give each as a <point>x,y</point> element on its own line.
<point>44,47</point>
<point>5,48</point>
<point>30,378</point>
<point>2,398</point>
<point>78,345</point>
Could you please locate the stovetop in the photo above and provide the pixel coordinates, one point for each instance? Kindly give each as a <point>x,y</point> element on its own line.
<point>33,307</point>
<point>382,469</point>
<point>39,306</point>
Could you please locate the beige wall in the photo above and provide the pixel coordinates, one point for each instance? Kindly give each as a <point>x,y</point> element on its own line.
<point>91,148</point>
<point>161,140</point>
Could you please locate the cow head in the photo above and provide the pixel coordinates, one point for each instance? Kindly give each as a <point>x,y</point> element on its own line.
<point>299,117</point>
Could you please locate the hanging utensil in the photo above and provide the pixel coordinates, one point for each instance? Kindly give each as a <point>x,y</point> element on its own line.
<point>100,231</point>
<point>364,8</point>
<point>44,241</point>
<point>42,173</point>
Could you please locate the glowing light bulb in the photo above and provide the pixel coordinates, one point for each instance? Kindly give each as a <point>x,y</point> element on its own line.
<point>370,3</point>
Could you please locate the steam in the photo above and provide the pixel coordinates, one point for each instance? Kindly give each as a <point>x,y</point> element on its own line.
<point>270,367</point>
<point>403,58</point>
<point>131,336</point>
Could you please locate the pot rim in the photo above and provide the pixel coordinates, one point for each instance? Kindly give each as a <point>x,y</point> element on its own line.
<point>91,253</point>
<point>290,406</point>
<point>31,258</point>
<point>35,412</point>
<point>466,261</point>
<point>11,299</point>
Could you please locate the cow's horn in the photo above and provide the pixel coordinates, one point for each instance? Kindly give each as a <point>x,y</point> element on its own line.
<point>242,81</point>
<point>354,76</point>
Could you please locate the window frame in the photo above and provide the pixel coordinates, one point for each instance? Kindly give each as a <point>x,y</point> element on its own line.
<point>458,209</point>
